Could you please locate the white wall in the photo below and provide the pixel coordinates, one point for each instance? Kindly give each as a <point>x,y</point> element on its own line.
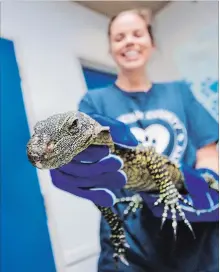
<point>187,35</point>
<point>175,25</point>
<point>49,38</point>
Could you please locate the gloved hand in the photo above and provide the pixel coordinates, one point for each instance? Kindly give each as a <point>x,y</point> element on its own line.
<point>204,199</point>
<point>94,172</point>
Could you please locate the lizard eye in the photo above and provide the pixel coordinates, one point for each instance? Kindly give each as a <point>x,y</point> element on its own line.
<point>73,127</point>
<point>75,123</point>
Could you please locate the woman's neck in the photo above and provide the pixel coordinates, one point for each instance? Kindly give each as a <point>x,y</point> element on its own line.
<point>133,82</point>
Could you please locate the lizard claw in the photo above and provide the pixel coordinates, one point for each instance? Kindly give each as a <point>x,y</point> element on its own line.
<point>135,202</point>
<point>126,245</point>
<point>171,200</point>
<point>124,260</point>
<point>120,257</point>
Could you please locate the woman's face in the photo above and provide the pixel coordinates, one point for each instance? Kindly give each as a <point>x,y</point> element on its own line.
<point>130,42</point>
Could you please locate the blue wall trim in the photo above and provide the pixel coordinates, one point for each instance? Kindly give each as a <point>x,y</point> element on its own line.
<point>97,79</point>
<point>26,245</point>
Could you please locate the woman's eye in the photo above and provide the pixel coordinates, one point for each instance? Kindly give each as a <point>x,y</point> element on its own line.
<point>119,38</point>
<point>138,33</point>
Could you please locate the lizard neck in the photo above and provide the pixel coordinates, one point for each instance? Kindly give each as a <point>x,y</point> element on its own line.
<point>104,138</point>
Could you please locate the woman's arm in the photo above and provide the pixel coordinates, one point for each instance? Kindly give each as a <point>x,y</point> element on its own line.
<point>207,157</point>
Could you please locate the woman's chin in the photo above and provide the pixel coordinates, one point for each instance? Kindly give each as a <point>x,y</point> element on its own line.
<point>133,66</point>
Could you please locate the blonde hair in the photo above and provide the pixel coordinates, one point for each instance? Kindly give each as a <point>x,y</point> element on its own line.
<point>144,14</point>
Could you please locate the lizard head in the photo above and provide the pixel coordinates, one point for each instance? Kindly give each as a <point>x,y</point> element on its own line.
<point>59,138</point>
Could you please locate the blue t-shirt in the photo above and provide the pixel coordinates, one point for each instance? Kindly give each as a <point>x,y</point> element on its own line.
<point>169,117</point>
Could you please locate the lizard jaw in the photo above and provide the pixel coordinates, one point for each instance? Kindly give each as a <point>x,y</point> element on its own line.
<point>38,165</point>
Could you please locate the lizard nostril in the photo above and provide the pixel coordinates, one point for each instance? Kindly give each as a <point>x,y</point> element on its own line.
<point>50,147</point>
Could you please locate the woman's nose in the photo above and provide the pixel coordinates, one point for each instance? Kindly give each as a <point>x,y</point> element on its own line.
<point>129,40</point>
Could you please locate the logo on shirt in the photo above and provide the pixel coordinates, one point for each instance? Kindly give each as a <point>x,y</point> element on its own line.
<point>161,129</point>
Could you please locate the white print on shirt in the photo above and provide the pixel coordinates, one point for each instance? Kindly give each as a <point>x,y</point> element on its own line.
<point>157,134</point>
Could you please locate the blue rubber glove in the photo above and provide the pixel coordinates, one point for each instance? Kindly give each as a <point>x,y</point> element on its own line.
<point>94,172</point>
<point>204,199</point>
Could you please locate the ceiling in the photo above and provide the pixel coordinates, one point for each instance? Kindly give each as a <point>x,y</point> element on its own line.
<point>111,8</point>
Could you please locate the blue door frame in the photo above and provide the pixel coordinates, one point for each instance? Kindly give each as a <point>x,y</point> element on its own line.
<point>97,79</point>
<point>25,242</point>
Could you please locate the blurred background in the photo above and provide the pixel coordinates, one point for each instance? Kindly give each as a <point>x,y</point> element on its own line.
<point>52,52</point>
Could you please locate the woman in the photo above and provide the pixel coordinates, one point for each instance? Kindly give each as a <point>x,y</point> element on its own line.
<point>167,116</point>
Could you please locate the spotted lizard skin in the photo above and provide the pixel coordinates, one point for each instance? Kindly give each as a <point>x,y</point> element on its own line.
<point>59,138</point>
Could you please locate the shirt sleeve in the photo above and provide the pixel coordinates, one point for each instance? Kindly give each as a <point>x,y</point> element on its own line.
<point>202,127</point>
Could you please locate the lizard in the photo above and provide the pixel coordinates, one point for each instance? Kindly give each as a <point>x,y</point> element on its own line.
<point>60,137</point>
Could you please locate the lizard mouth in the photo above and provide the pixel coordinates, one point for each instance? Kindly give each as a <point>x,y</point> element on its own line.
<point>53,162</point>
<point>39,161</point>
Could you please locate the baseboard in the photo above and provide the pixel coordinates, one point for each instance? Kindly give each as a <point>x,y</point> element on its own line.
<point>80,253</point>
